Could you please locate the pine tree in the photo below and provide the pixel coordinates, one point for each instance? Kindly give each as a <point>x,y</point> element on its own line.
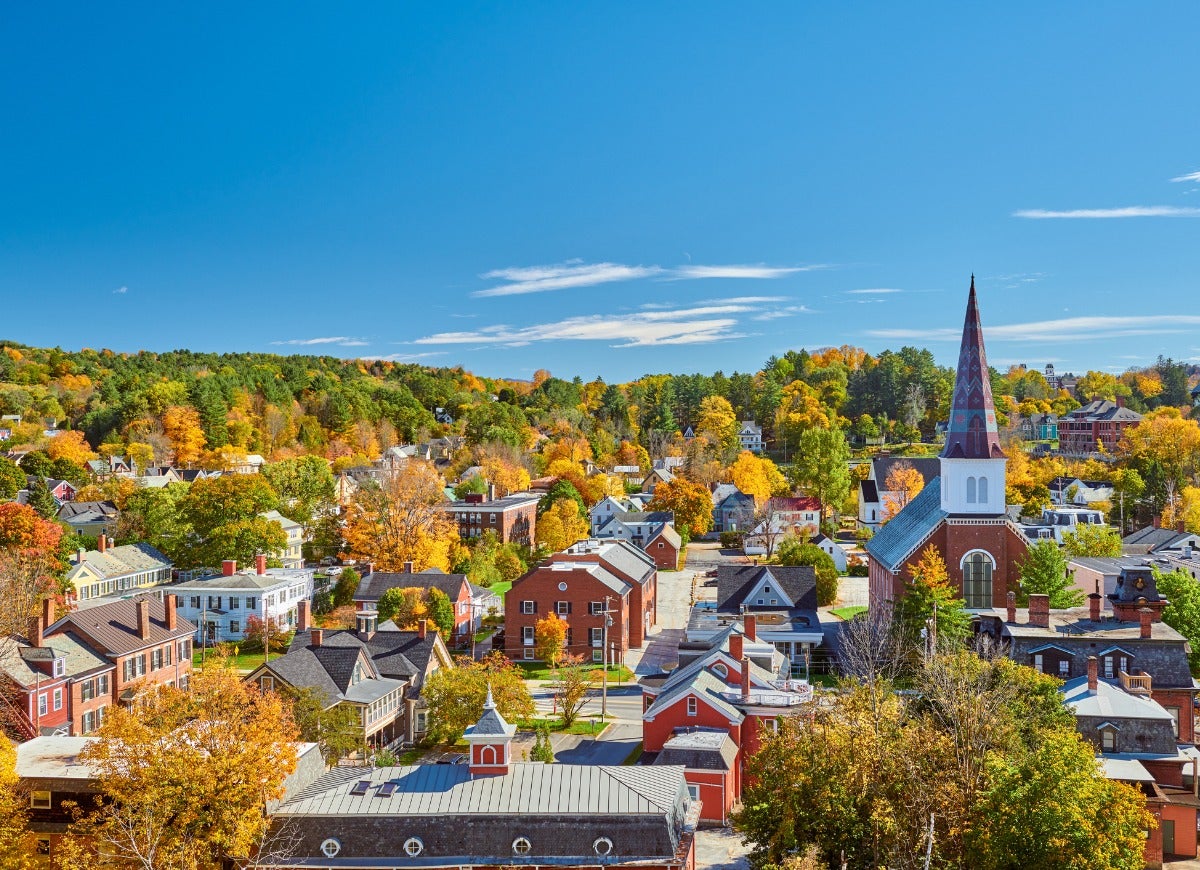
<point>41,499</point>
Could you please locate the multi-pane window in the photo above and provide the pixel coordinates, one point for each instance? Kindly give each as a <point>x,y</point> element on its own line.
<point>529,607</point>
<point>234,626</point>
<point>691,706</point>
<point>527,635</point>
<point>40,800</point>
<point>563,608</point>
<point>233,602</point>
<point>977,580</point>
<point>43,705</point>
<point>156,659</point>
<point>598,637</point>
<point>58,699</point>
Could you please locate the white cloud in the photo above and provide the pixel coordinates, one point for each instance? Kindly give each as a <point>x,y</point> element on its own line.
<point>1190,176</point>
<point>644,329</point>
<point>406,357</point>
<point>121,290</point>
<point>564,276</point>
<point>786,311</point>
<point>1126,212</point>
<point>874,291</point>
<point>744,300</point>
<point>340,340</point>
<point>1064,329</point>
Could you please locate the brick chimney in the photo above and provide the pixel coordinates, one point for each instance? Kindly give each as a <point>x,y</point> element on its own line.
<point>229,567</point>
<point>102,542</point>
<point>143,618</point>
<point>491,492</point>
<point>1094,602</point>
<point>1147,622</point>
<point>37,631</point>
<point>750,627</point>
<point>422,629</point>
<point>1156,522</point>
<point>260,564</point>
<point>1011,602</point>
<point>735,646</point>
<point>317,636</point>
<point>368,569</point>
<point>408,567</point>
<point>1093,674</point>
<point>80,555</point>
<point>48,613</point>
<point>172,604</point>
<point>1181,527</point>
<point>1039,611</point>
<point>303,616</point>
<point>1120,401</point>
<point>746,678</point>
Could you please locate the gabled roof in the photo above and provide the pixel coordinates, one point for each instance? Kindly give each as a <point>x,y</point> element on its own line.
<point>667,532</point>
<point>114,626</point>
<point>700,749</point>
<point>1102,410</point>
<point>901,535</point>
<point>395,653</point>
<point>704,685</point>
<point>735,582</point>
<point>372,586</point>
<point>1109,702</point>
<point>868,492</point>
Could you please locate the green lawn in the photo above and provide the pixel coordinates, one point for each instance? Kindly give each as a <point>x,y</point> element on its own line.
<point>501,587</point>
<point>617,674</point>
<point>245,662</point>
<point>583,725</point>
<point>848,613</point>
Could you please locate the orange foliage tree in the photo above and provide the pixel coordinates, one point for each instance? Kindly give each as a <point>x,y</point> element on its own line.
<point>182,427</point>
<point>400,519</point>
<point>903,484</point>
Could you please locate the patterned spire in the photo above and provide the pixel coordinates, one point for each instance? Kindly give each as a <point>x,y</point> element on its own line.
<point>972,433</point>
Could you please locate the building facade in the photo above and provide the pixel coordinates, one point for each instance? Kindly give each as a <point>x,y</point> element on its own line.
<point>512,518</point>
<point>222,605</point>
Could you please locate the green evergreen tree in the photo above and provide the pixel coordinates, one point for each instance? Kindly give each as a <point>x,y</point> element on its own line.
<point>41,499</point>
<point>1044,572</point>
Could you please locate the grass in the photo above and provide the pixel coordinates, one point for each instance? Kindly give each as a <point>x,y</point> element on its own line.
<point>616,673</point>
<point>245,662</point>
<point>501,587</point>
<point>581,726</point>
<point>412,756</point>
<point>848,613</point>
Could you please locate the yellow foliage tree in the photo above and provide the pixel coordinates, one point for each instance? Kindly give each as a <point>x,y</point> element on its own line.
<point>185,775</point>
<point>550,639</point>
<point>717,424</point>
<point>181,424</point>
<point>504,475</point>
<point>400,519</point>
<point>571,447</point>
<point>903,484</point>
<point>757,476</point>
<point>16,850</point>
<point>799,410</point>
<point>70,445</point>
<point>561,526</point>
<point>1167,437</point>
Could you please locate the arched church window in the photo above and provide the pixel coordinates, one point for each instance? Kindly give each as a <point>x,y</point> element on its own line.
<point>983,490</point>
<point>971,490</point>
<point>977,579</point>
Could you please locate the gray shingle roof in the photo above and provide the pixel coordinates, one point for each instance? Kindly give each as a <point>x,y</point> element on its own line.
<point>929,467</point>
<point>899,537</point>
<point>735,582</point>
<point>373,585</point>
<point>396,654</point>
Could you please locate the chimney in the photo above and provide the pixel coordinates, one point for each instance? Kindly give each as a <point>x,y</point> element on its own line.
<point>80,554</point>
<point>260,564</point>
<point>229,567</point>
<point>317,636</point>
<point>1180,527</point>
<point>1156,522</point>
<point>1094,601</point>
<point>1039,611</point>
<point>1093,674</point>
<point>37,631</point>
<point>172,604</point>
<point>735,646</point>
<point>102,542</point>
<point>491,493</point>
<point>1147,617</point>
<point>366,624</point>
<point>303,616</point>
<point>47,612</point>
<point>1120,401</point>
<point>422,629</point>
<point>750,628</point>
<point>368,569</point>
<point>1011,615</point>
<point>408,567</point>
<point>143,618</point>
<point>746,679</point>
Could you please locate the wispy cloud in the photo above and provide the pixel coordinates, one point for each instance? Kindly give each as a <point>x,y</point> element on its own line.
<point>786,311</point>
<point>1190,176</point>
<point>1131,211</point>
<point>522,280</point>
<point>874,291</point>
<point>339,340</point>
<point>646,328</point>
<point>406,357</point>
<point>121,291</point>
<point>1064,329</point>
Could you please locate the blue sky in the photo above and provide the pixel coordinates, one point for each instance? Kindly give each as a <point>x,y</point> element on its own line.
<point>602,189</point>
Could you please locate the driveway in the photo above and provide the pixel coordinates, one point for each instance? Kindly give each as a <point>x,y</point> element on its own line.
<point>721,849</point>
<point>613,746</point>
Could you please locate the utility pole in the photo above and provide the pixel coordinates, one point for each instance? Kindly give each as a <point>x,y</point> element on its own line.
<point>604,657</point>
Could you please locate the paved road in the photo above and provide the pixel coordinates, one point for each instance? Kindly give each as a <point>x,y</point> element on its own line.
<point>614,746</point>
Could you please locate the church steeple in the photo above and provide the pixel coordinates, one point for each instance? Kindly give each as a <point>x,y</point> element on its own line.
<point>972,462</point>
<point>972,433</point>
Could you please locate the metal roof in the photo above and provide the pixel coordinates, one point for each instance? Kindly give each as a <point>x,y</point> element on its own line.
<point>1109,702</point>
<point>899,537</point>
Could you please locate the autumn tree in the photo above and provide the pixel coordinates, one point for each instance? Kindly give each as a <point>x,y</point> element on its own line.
<point>337,728</point>
<point>691,503</point>
<point>1092,540</point>
<point>800,409</point>
<point>455,696</point>
<point>441,611</point>
<point>821,467</point>
<point>270,632</point>
<point>930,597</point>
<point>572,687</point>
<point>561,526</point>
<point>1166,437</point>
<point>71,446</point>
<point>903,484</point>
<point>550,639</point>
<point>12,479</point>
<point>182,426</point>
<point>717,424</point>
<point>400,519</point>
<point>304,486</point>
<point>757,476</point>
<point>1044,571</point>
<point>1182,612</point>
<point>16,846</point>
<point>184,776</point>
<point>406,606</point>
<point>30,561</point>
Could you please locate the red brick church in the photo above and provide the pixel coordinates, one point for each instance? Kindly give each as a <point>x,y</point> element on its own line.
<point>962,511</point>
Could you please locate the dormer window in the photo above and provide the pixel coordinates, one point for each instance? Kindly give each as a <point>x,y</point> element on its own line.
<point>60,667</point>
<point>1108,739</point>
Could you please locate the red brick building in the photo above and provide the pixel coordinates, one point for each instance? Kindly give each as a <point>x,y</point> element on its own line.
<point>512,518</point>
<point>962,511</point>
<point>1098,422</point>
<point>581,584</point>
<point>455,586</point>
<point>709,714</point>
